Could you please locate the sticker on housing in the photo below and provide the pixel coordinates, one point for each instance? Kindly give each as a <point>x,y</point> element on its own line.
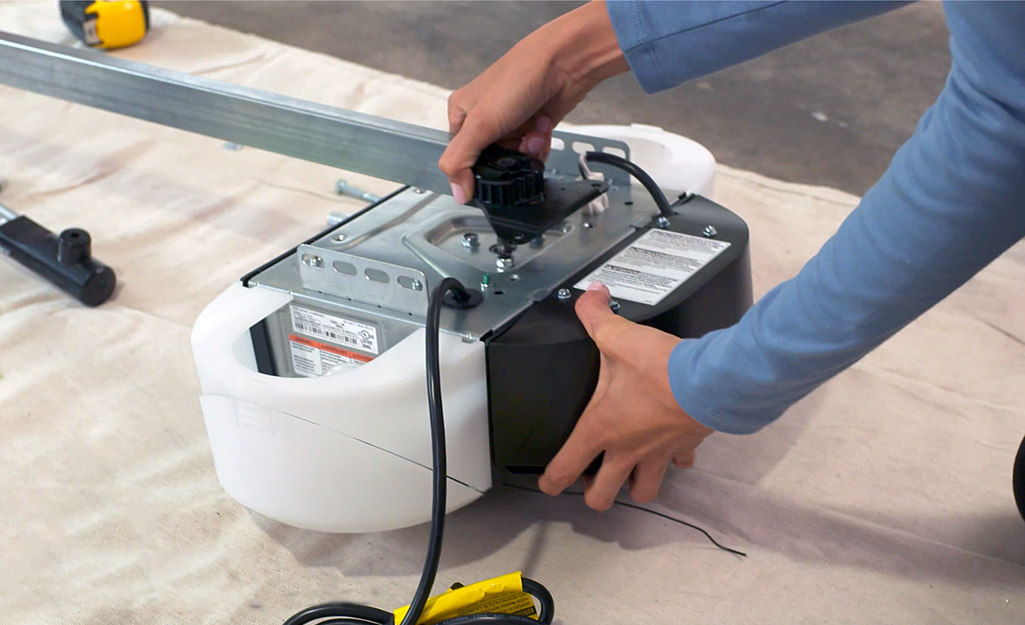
<point>346,332</point>
<point>654,265</point>
<point>313,359</point>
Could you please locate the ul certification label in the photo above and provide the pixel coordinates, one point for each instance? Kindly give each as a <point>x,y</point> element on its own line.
<point>335,329</point>
<point>654,266</point>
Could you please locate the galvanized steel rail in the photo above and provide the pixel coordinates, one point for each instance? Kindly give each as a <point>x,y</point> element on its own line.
<point>396,151</point>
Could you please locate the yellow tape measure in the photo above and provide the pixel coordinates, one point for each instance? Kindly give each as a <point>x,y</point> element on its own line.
<point>106,24</point>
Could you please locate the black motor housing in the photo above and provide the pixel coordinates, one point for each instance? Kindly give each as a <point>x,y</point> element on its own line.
<point>543,368</point>
<point>1019,479</point>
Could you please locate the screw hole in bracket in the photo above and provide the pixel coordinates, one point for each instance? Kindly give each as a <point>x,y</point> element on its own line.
<point>376,275</point>
<point>346,269</point>
<point>412,284</point>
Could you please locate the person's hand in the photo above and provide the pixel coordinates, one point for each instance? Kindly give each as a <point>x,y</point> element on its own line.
<point>517,101</point>
<point>633,417</point>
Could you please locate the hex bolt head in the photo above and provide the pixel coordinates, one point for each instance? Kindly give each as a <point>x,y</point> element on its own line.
<point>662,222</point>
<point>563,294</point>
<point>471,240</point>
<point>504,264</point>
<point>709,231</point>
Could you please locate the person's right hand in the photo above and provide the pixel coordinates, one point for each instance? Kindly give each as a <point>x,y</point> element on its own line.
<point>517,101</point>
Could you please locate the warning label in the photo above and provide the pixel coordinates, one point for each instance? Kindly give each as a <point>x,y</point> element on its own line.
<point>354,334</point>
<point>313,359</point>
<point>654,266</point>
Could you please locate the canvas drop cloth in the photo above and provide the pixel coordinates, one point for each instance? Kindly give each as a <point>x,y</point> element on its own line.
<point>885,497</point>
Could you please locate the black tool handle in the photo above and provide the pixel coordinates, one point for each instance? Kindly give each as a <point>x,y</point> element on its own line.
<point>64,260</point>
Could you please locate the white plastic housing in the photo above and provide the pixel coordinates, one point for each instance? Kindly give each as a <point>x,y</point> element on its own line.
<point>676,163</point>
<point>347,452</point>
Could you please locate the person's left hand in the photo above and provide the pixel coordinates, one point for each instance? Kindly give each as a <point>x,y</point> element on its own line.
<point>632,417</point>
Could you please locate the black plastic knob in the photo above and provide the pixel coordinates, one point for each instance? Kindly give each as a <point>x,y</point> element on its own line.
<point>74,246</point>
<point>508,178</point>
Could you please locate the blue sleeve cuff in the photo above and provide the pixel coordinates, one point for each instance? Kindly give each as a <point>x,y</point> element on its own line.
<point>690,396</point>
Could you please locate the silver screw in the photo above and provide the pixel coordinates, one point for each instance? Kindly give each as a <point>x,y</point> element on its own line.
<point>710,231</point>
<point>505,263</point>
<point>563,294</point>
<point>419,191</point>
<point>417,285</point>
<point>312,260</point>
<point>614,305</point>
<point>588,224</point>
<point>662,222</point>
<point>340,237</point>
<point>471,240</point>
<point>344,188</point>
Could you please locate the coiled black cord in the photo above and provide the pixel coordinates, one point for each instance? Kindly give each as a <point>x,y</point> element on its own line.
<point>642,176</point>
<point>340,613</point>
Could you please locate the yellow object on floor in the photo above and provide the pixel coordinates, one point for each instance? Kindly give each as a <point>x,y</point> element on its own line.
<point>107,24</point>
<point>501,595</point>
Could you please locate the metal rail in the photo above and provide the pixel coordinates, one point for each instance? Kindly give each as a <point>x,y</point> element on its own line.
<point>365,144</point>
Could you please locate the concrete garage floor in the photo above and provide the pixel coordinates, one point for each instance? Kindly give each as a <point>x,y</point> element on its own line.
<point>830,110</point>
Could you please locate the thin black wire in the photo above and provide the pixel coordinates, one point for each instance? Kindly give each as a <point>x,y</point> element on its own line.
<point>643,509</point>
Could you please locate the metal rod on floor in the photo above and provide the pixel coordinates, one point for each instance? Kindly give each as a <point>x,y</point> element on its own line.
<point>6,214</point>
<point>366,144</point>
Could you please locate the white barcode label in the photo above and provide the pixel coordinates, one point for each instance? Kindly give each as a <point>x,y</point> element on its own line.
<point>338,330</point>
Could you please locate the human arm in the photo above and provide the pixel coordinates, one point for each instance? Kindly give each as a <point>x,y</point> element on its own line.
<point>952,200</point>
<point>518,100</point>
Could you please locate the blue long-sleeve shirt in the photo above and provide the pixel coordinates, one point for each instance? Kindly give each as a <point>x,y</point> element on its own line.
<point>952,200</point>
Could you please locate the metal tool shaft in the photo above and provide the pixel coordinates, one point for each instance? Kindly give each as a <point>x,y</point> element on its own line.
<point>366,144</point>
<point>6,214</point>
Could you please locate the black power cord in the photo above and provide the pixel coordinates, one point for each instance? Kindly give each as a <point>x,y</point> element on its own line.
<point>642,176</point>
<point>341,613</point>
